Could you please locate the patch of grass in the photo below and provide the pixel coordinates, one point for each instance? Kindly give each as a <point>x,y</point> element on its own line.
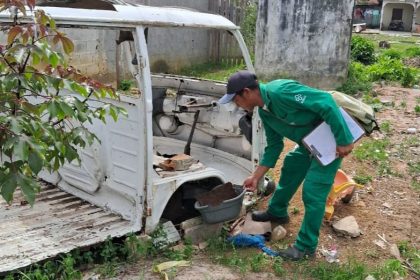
<point>212,71</point>
<point>411,254</point>
<point>372,150</point>
<point>403,148</point>
<point>125,85</point>
<point>414,168</point>
<point>390,270</point>
<point>412,52</point>
<point>347,271</point>
<point>362,179</point>
<point>392,53</point>
<point>397,42</point>
<point>374,102</point>
<point>259,262</point>
<point>375,152</point>
<point>417,109</point>
<point>278,268</point>
<point>353,269</point>
<point>385,127</point>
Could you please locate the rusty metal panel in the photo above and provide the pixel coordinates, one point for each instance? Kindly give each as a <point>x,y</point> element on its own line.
<point>58,223</point>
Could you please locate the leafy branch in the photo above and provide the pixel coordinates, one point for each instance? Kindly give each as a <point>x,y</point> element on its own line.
<point>44,102</point>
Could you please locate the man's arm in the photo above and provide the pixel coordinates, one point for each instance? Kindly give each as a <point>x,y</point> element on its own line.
<point>271,154</point>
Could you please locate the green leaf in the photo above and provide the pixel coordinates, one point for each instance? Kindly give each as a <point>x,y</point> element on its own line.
<point>113,113</point>
<point>8,186</point>
<point>35,59</point>
<point>52,109</point>
<point>35,162</point>
<point>29,188</point>
<point>21,150</point>
<point>71,153</point>
<point>67,109</point>
<point>53,59</point>
<point>82,90</point>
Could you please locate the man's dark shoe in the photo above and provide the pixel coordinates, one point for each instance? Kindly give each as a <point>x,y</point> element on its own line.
<point>264,216</point>
<point>292,253</point>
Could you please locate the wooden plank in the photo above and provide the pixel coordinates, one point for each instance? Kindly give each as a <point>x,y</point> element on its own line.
<point>58,223</point>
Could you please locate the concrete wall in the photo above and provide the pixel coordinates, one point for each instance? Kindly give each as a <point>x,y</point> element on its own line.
<point>173,49</point>
<point>305,40</point>
<point>417,19</point>
<point>408,12</point>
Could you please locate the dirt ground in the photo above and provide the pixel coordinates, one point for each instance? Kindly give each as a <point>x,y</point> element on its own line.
<point>387,207</point>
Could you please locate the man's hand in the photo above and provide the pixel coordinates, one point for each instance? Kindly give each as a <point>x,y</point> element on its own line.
<point>251,182</point>
<point>343,151</point>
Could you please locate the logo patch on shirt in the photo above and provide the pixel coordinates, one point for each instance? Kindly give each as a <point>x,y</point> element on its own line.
<point>300,98</point>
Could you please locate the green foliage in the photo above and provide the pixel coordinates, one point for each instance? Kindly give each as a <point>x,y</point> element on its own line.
<point>67,269</point>
<point>362,50</point>
<point>357,80</point>
<point>278,267</point>
<point>374,151</point>
<point>385,127</point>
<point>392,54</point>
<point>411,255</point>
<point>248,25</point>
<point>392,269</point>
<point>392,70</point>
<point>348,271</point>
<point>42,125</point>
<point>362,179</point>
<point>258,262</point>
<point>374,102</point>
<point>212,71</point>
<point>412,52</point>
<point>417,109</point>
<point>125,85</point>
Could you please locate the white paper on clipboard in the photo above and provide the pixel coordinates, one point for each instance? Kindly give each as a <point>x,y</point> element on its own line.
<point>321,142</point>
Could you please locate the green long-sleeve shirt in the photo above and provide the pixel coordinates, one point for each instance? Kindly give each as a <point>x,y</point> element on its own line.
<point>292,110</point>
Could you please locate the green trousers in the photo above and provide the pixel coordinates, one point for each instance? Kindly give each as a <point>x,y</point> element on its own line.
<point>298,165</point>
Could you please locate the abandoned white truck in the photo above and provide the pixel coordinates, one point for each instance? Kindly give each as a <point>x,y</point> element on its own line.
<point>117,188</point>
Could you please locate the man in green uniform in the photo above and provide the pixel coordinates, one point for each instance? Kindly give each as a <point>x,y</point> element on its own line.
<point>290,109</point>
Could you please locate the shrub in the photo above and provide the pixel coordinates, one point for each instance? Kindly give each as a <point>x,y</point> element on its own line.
<point>392,70</point>
<point>357,80</point>
<point>392,53</point>
<point>362,50</point>
<point>412,52</point>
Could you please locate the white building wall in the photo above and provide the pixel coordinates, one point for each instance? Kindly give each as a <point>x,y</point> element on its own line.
<point>408,11</point>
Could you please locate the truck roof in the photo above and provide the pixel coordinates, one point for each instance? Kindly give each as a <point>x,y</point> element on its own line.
<point>130,16</point>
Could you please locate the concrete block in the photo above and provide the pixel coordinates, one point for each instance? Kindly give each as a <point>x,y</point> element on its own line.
<point>191,223</point>
<point>200,233</point>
